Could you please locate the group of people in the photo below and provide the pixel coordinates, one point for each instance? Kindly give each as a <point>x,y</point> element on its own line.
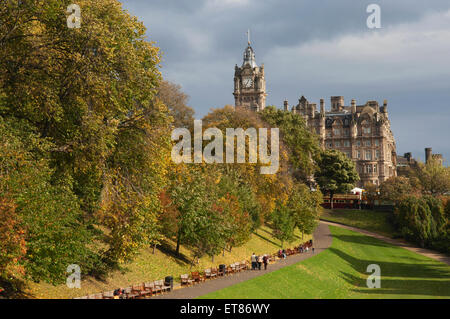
<point>304,248</point>
<point>258,261</point>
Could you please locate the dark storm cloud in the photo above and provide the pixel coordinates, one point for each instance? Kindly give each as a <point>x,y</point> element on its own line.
<point>315,48</point>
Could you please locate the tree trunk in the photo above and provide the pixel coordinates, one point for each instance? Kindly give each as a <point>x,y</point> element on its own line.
<point>154,247</point>
<point>178,242</point>
<point>331,200</point>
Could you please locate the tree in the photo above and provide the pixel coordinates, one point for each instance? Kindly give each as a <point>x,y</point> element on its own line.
<point>89,96</point>
<point>306,208</point>
<point>336,173</point>
<point>395,189</point>
<point>12,240</point>
<point>302,144</point>
<point>283,223</point>
<point>420,219</point>
<point>371,192</point>
<point>176,101</point>
<point>433,177</point>
<point>36,214</point>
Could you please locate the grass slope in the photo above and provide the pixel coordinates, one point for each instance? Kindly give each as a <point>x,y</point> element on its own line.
<point>375,221</point>
<point>148,266</point>
<point>340,272</point>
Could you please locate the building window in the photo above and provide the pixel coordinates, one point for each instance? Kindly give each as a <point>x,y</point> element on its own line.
<point>368,143</point>
<point>358,154</point>
<point>337,144</point>
<point>346,132</point>
<point>358,143</point>
<point>328,134</point>
<point>336,132</point>
<point>377,143</point>
<point>375,168</point>
<point>347,143</point>
<point>330,145</point>
<point>366,130</point>
<point>377,154</point>
<point>368,155</point>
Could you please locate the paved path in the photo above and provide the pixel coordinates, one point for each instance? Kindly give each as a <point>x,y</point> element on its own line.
<point>397,242</point>
<point>322,240</point>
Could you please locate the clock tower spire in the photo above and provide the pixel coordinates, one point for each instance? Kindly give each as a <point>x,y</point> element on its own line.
<point>249,82</point>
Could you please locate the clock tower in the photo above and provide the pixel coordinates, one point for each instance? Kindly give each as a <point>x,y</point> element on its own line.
<point>249,82</point>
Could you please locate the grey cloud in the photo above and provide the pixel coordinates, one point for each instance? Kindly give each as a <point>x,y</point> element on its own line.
<point>202,43</point>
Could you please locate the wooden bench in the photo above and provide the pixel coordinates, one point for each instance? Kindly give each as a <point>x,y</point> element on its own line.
<point>214,273</point>
<point>185,280</point>
<point>159,284</point>
<point>108,295</point>
<point>196,277</point>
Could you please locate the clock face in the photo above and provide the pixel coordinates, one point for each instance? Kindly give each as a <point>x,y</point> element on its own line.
<point>247,82</point>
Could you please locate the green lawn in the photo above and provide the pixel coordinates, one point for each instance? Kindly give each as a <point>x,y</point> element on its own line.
<point>340,272</point>
<point>375,221</point>
<point>148,266</point>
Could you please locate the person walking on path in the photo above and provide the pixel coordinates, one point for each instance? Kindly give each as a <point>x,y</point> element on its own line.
<point>260,260</point>
<point>265,261</point>
<point>253,261</point>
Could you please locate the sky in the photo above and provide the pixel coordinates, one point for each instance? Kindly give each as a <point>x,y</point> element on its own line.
<point>317,49</point>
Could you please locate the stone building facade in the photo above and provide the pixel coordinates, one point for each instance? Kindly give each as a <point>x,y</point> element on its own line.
<point>362,132</point>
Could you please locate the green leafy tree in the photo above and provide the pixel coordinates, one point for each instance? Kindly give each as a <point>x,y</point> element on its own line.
<point>396,188</point>
<point>91,92</point>
<point>283,223</point>
<point>420,219</point>
<point>433,177</point>
<point>45,217</point>
<point>336,173</point>
<point>303,145</point>
<point>305,207</point>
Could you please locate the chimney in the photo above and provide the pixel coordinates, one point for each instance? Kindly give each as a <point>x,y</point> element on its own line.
<point>286,105</point>
<point>322,107</point>
<point>408,157</point>
<point>385,106</point>
<point>353,106</point>
<point>428,152</point>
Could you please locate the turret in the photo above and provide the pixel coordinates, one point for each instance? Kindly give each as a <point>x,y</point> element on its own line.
<point>337,103</point>
<point>322,107</point>
<point>353,106</point>
<point>286,105</point>
<point>428,154</point>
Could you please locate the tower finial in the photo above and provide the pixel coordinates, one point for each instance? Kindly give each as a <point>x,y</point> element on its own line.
<point>248,36</point>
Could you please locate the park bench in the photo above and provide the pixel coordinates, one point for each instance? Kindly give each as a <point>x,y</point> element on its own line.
<point>108,295</point>
<point>185,280</point>
<point>214,272</point>
<point>208,273</point>
<point>158,287</point>
<point>229,270</point>
<point>129,294</point>
<point>197,277</point>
